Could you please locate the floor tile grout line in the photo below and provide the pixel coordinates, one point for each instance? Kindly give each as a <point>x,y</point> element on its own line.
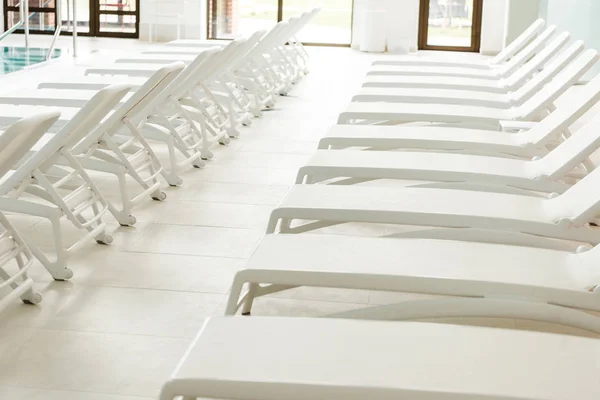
<point>73,391</point>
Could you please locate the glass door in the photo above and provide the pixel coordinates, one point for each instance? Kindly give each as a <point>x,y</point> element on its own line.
<point>452,25</point>
<point>232,18</point>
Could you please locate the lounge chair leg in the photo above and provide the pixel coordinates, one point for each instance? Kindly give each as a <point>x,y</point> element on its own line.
<point>58,268</point>
<point>285,225</point>
<point>272,225</point>
<point>247,307</point>
<point>31,297</point>
<point>234,295</point>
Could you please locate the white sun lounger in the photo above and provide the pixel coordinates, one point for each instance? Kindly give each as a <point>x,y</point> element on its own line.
<point>255,79</point>
<point>15,257</point>
<point>228,78</point>
<point>532,110</point>
<point>15,261</point>
<point>500,281</point>
<point>218,120</point>
<point>514,82</point>
<point>478,98</point>
<point>565,216</point>
<point>122,154</point>
<point>494,62</point>
<point>536,141</point>
<point>552,173</point>
<point>503,71</point>
<point>275,41</point>
<point>273,358</point>
<point>68,193</point>
<point>177,117</point>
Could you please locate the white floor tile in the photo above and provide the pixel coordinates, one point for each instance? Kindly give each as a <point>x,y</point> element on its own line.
<point>162,271</point>
<point>136,311</point>
<point>269,160</point>
<point>299,308</point>
<point>199,241</point>
<point>93,362</point>
<point>228,215</point>
<point>247,175</point>
<point>229,193</point>
<point>15,393</point>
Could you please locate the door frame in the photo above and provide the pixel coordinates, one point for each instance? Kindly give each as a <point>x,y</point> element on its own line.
<point>475,29</point>
<point>94,21</point>
<point>95,14</point>
<point>210,25</point>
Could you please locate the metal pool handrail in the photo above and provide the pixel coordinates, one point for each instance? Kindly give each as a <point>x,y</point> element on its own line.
<point>59,28</point>
<point>57,31</point>
<point>23,21</point>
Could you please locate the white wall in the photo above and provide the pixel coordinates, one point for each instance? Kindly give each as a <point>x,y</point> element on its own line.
<point>493,26</point>
<point>403,22</point>
<point>580,18</point>
<point>521,14</point>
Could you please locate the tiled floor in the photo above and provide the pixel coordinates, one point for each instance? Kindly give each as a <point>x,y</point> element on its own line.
<point>116,330</point>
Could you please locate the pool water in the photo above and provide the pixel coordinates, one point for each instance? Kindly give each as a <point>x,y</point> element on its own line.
<point>16,58</point>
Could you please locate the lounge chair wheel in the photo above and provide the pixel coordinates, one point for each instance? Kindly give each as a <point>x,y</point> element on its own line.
<point>246,313</point>
<point>178,182</point>
<point>129,221</point>
<point>247,120</point>
<point>225,141</point>
<point>35,298</point>
<point>270,104</point>
<point>106,240</point>
<point>161,197</point>
<point>207,155</point>
<point>64,276</point>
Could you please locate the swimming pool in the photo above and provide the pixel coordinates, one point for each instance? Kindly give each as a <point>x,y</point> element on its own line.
<point>16,58</point>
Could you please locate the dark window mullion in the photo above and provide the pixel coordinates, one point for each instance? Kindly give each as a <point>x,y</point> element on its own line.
<point>117,12</point>
<point>46,10</point>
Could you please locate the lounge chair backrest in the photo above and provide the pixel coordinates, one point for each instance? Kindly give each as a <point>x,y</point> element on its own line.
<point>215,64</point>
<point>251,42</point>
<point>536,46</point>
<point>551,69</point>
<point>142,100</point>
<point>190,76</point>
<point>571,152</point>
<point>297,25</point>
<point>580,204</point>
<point>20,137</point>
<point>229,55</point>
<point>544,99</point>
<point>554,124</point>
<point>85,121</point>
<point>520,42</point>
<point>267,41</point>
